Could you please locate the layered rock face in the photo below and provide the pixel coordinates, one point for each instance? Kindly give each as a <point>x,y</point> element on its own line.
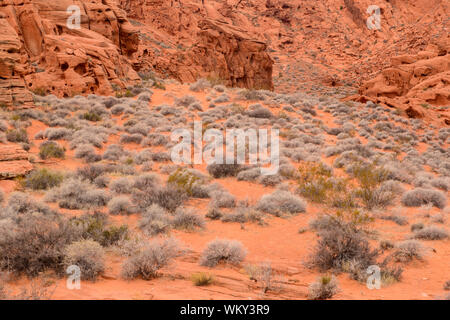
<point>13,161</point>
<point>40,52</point>
<point>187,40</point>
<point>417,83</point>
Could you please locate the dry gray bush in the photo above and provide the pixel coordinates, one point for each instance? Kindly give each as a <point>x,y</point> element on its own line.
<point>88,255</point>
<point>222,250</point>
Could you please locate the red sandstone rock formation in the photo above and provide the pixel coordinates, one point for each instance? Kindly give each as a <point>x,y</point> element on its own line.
<point>418,83</point>
<point>13,161</point>
<point>40,53</point>
<point>190,41</point>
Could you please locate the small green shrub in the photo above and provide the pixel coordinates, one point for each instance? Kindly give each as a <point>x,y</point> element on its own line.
<point>51,149</point>
<point>17,135</point>
<point>184,179</point>
<point>95,227</point>
<point>202,279</point>
<point>42,179</point>
<point>91,116</point>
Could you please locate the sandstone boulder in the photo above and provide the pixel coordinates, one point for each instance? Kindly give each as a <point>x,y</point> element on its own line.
<point>13,162</point>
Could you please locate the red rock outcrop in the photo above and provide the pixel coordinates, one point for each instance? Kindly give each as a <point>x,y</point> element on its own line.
<point>417,83</point>
<point>13,161</point>
<point>41,53</point>
<point>189,40</point>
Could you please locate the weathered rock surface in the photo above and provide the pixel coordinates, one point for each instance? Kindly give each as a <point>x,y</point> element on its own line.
<point>419,83</point>
<point>39,52</point>
<point>190,41</point>
<point>13,161</point>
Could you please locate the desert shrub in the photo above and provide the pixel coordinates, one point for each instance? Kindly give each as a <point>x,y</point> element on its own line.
<point>88,255</point>
<point>251,94</point>
<point>369,175</point>
<point>185,101</point>
<point>150,259</point>
<point>186,219</point>
<point>408,250</point>
<point>258,111</point>
<point>223,170</point>
<point>221,250</point>
<point>200,85</point>
<point>375,198</point>
<point>222,199</point>
<point>146,181</point>
<point>431,233</point>
<point>202,279</point>
<point>114,152</point>
<point>441,183</point>
<point>34,243</point>
<point>17,135</point>
<point>131,138</point>
<point>155,221</point>
<point>324,288</point>
<point>21,203</point>
<point>322,222</point>
<point>214,213</point>
<point>281,202</point>
<point>168,197</point>
<point>244,214</point>
<point>270,180</point>
<point>87,152</point>
<point>370,178</point>
<point>187,181</point>
<point>386,244</point>
<point>340,245</point>
<point>420,196</point>
<point>222,98</point>
<point>91,116</point>
<point>264,276</point>
<point>145,96</point>
<point>161,156</point>
<point>417,227</point>
<point>121,185</point>
<point>43,178</point>
<point>438,218</point>
<point>120,205</point>
<point>447,285</point>
<point>96,227</point>
<point>249,174</point>
<point>155,139</point>
<point>118,109</point>
<point>50,149</point>
<point>93,171</point>
<point>77,194</point>
<point>3,125</point>
<point>330,222</point>
<point>398,219</point>
<point>317,184</point>
<point>56,133</point>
